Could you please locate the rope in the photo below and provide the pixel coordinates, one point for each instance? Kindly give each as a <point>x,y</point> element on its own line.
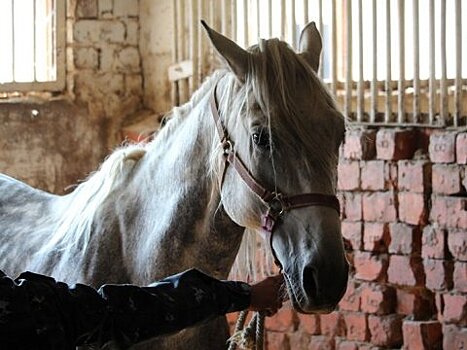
<point>250,337</point>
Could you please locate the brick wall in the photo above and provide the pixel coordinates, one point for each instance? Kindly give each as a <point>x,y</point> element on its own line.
<point>404,223</point>
<point>104,67</point>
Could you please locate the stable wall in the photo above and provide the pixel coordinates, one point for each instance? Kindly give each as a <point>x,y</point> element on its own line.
<point>53,140</point>
<point>404,222</point>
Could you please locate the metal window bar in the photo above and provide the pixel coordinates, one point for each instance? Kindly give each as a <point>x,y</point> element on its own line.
<point>45,44</point>
<point>374,86</point>
<point>348,54</point>
<point>388,91</point>
<point>401,82</point>
<point>360,108</point>
<point>458,84</point>
<point>416,62</point>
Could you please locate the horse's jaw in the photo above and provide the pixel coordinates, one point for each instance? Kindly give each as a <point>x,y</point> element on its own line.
<point>310,249</point>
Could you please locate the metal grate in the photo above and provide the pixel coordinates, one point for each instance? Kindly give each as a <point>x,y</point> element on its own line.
<point>381,70</point>
<point>32,38</point>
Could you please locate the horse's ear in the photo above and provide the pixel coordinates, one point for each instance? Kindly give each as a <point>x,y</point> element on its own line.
<point>235,57</point>
<point>311,45</point>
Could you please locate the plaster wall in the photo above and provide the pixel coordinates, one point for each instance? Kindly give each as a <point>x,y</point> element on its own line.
<point>50,140</point>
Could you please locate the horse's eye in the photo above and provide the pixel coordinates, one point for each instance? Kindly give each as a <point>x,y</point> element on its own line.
<point>261,139</point>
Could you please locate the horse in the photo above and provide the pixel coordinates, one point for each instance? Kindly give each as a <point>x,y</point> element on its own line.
<point>255,148</point>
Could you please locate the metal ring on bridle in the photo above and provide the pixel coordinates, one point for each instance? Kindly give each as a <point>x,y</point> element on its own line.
<point>227,146</point>
<point>277,206</point>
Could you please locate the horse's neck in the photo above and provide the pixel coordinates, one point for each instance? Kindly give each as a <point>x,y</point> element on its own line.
<point>177,222</point>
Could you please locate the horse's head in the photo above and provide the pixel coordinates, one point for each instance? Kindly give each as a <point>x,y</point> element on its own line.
<point>285,127</point>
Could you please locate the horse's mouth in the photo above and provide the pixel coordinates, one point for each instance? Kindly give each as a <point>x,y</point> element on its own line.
<point>311,307</point>
<point>292,292</point>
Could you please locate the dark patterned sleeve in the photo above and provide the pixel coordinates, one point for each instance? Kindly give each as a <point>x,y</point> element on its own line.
<point>171,304</point>
<point>36,312</point>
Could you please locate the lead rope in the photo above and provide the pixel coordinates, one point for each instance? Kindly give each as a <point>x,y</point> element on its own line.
<point>252,336</point>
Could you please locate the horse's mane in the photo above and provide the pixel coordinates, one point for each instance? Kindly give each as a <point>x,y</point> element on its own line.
<point>75,224</point>
<point>74,227</point>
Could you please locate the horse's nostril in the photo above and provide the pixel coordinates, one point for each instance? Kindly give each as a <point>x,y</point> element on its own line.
<point>309,281</point>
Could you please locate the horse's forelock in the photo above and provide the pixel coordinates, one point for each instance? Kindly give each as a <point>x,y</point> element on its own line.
<point>275,74</point>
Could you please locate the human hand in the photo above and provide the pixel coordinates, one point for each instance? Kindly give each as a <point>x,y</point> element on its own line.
<point>266,295</point>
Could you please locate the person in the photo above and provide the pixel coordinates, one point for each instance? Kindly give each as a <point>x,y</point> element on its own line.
<point>37,312</point>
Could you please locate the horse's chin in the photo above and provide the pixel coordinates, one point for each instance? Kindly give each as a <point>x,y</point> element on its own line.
<point>303,304</point>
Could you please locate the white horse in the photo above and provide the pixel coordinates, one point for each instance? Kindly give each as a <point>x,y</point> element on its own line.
<point>175,203</point>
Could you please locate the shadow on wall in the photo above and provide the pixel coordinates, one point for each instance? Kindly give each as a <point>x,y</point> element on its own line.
<point>50,146</point>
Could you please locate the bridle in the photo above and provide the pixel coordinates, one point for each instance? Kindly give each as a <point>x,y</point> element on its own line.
<point>276,202</point>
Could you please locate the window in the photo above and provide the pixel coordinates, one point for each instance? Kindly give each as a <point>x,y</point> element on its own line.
<point>32,41</point>
<point>391,62</point>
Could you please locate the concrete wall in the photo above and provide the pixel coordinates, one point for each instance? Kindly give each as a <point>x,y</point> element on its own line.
<point>156,21</point>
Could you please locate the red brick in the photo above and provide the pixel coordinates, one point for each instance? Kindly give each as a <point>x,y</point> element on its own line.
<point>368,346</point>
<point>379,206</point>
<point>360,144</point>
<point>346,345</point>
<point>375,237</point>
<point>370,267</point>
<point>319,342</point>
<point>351,299</point>
<point>285,320</point>
<point>352,206</point>
<point>392,144</point>
<point>332,324</point>
<point>405,271</point>
<point>446,179</point>
<point>299,340</point>
<point>376,175</point>
<point>277,341</point>
<point>309,323</point>
<point>434,243</point>
<point>457,243</point>
<point>455,309</point>
<point>439,302</point>
<point>412,208</point>
<point>385,330</point>
<point>438,274</point>
<point>405,239</point>
<point>449,211</point>
<point>356,325</point>
<point>377,299</point>
<point>414,175</point>
<point>348,178</point>
<point>461,148</point>
<point>442,147</point>
<point>422,335</point>
<point>232,317</point>
<point>352,233</point>
<point>415,303</point>
<point>460,276</point>
<point>454,338</point>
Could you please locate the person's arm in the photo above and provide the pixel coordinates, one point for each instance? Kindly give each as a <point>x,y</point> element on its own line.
<point>172,304</point>
<point>35,309</point>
